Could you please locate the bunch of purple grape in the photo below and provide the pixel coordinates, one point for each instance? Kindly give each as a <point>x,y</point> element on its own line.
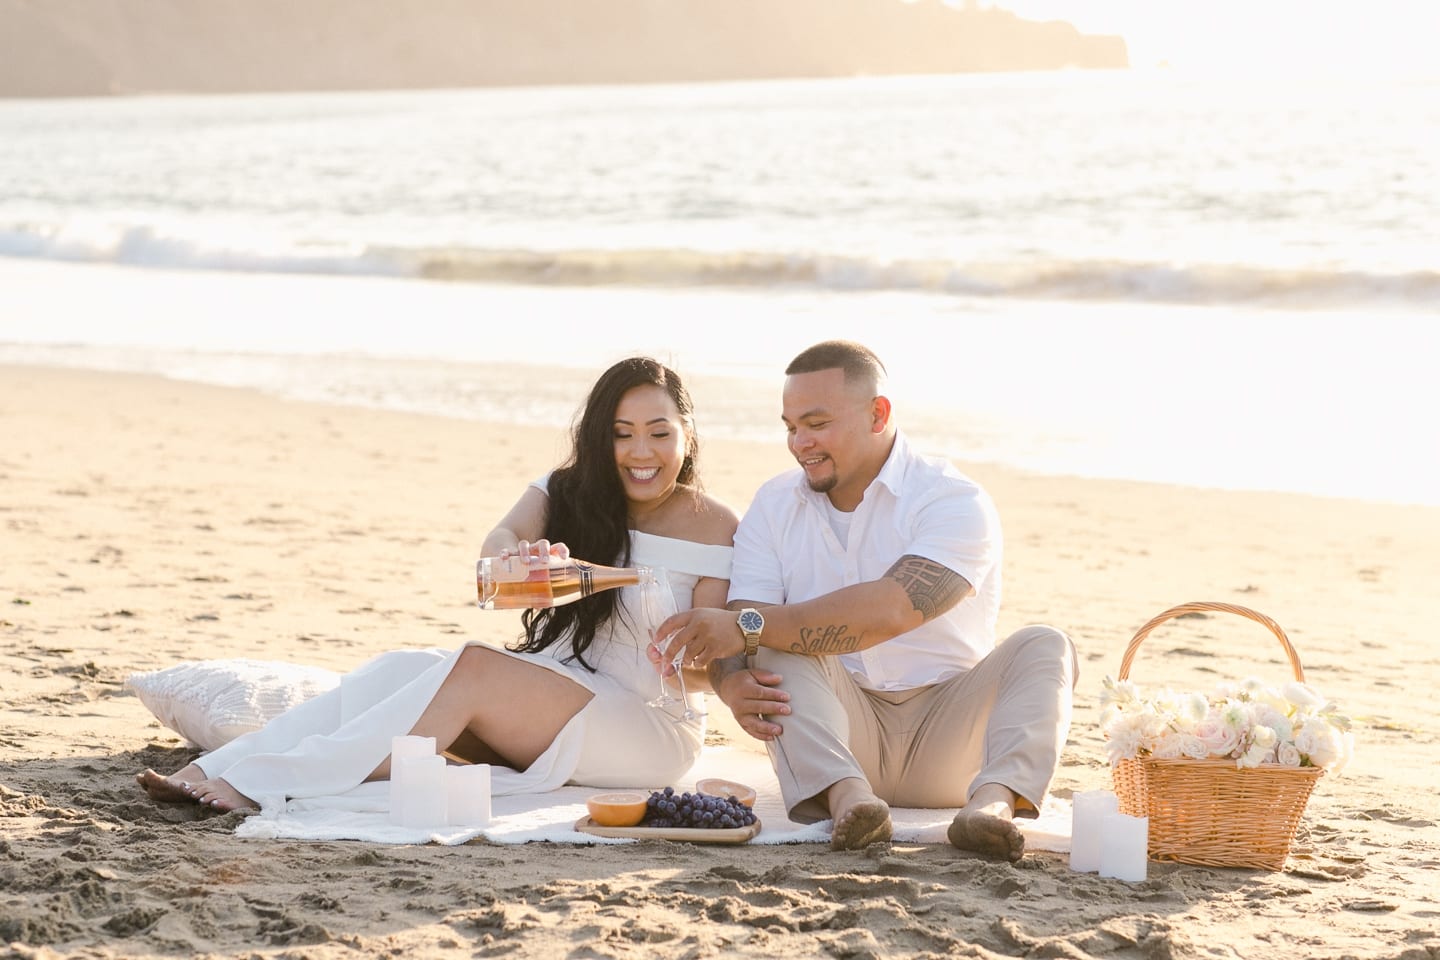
<point>666,808</point>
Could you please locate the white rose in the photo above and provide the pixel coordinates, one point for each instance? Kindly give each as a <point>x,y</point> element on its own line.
<point>1276,720</point>
<point>1193,747</point>
<point>1321,744</point>
<point>1288,755</point>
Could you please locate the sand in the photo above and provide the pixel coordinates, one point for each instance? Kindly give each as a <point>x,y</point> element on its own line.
<point>147,521</point>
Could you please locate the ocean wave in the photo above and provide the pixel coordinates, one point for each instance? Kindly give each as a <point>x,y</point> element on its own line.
<point>1098,280</point>
<point>238,250</point>
<point>1037,278</point>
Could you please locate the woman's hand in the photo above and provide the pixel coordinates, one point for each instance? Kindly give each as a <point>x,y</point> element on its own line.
<point>537,552</point>
<point>655,651</point>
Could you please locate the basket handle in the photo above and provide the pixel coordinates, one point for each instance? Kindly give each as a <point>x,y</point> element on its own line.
<point>1200,606</point>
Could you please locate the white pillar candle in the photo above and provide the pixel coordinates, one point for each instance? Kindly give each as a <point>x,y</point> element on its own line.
<point>467,795</point>
<point>1087,812</point>
<point>419,785</point>
<point>402,748</point>
<point>411,747</point>
<point>1123,848</point>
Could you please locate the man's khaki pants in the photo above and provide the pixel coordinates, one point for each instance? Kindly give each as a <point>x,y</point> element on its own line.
<point>1003,721</point>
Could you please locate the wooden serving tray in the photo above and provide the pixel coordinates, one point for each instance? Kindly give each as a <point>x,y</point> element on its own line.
<point>683,834</point>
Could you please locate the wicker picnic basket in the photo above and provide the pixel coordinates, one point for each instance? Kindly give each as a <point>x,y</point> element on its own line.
<point>1211,812</point>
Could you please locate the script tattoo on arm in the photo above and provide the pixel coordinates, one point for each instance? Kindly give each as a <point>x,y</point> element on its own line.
<point>932,588</point>
<point>827,641</point>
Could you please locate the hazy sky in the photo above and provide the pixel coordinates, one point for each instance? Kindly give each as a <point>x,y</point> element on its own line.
<point>1279,36</point>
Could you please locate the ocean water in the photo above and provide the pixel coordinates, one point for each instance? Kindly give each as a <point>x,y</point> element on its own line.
<point>1124,274</point>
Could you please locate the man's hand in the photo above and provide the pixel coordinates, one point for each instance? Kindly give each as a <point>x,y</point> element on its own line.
<point>752,695</point>
<point>706,633</point>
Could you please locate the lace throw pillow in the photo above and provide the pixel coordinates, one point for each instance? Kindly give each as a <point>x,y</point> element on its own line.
<point>211,702</point>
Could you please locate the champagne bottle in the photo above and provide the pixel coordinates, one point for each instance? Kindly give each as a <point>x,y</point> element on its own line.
<point>512,584</point>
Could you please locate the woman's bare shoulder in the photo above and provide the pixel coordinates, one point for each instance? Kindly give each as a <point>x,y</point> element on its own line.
<point>705,519</point>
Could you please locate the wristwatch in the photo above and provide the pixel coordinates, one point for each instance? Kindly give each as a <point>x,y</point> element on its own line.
<point>751,623</point>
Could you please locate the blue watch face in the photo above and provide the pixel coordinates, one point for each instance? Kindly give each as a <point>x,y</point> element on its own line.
<point>750,621</point>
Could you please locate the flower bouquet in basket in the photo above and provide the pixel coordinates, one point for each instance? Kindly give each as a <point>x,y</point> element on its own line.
<point>1224,777</point>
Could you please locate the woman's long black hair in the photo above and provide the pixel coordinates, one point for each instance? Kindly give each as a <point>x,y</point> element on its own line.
<point>588,511</point>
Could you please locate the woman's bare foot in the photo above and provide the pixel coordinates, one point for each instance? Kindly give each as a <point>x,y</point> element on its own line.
<point>172,789</point>
<point>986,824</point>
<point>219,795</point>
<point>861,818</point>
<point>190,785</point>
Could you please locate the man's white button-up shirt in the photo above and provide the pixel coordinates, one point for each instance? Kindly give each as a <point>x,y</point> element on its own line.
<point>786,552</point>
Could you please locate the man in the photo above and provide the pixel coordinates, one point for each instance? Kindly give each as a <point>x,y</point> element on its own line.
<point>868,586</point>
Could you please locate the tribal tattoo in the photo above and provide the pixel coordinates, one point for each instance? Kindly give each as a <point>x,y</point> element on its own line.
<point>932,588</point>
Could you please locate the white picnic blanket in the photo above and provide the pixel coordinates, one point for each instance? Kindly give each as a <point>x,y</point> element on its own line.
<point>362,814</point>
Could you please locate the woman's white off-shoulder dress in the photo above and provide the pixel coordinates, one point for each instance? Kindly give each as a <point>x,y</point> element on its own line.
<point>326,746</point>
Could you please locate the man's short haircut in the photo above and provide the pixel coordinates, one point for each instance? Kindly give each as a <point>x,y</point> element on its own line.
<point>859,362</point>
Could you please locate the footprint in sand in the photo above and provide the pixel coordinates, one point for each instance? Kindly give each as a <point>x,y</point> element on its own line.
<point>135,920</point>
<point>284,931</point>
<point>107,554</point>
<point>1386,815</point>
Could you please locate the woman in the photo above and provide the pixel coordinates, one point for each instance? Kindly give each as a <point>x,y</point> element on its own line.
<point>568,702</point>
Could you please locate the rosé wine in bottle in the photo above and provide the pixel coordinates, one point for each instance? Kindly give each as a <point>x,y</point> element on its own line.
<point>512,584</point>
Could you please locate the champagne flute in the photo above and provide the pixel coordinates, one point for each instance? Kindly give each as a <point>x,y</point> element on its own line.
<point>666,698</point>
<point>679,664</point>
<point>659,604</point>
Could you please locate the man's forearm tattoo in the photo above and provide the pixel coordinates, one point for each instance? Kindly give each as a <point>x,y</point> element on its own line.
<point>932,588</point>
<point>826,641</point>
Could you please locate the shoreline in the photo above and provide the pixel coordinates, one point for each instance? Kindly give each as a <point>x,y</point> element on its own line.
<point>512,388</point>
<point>713,387</point>
<point>151,520</point>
